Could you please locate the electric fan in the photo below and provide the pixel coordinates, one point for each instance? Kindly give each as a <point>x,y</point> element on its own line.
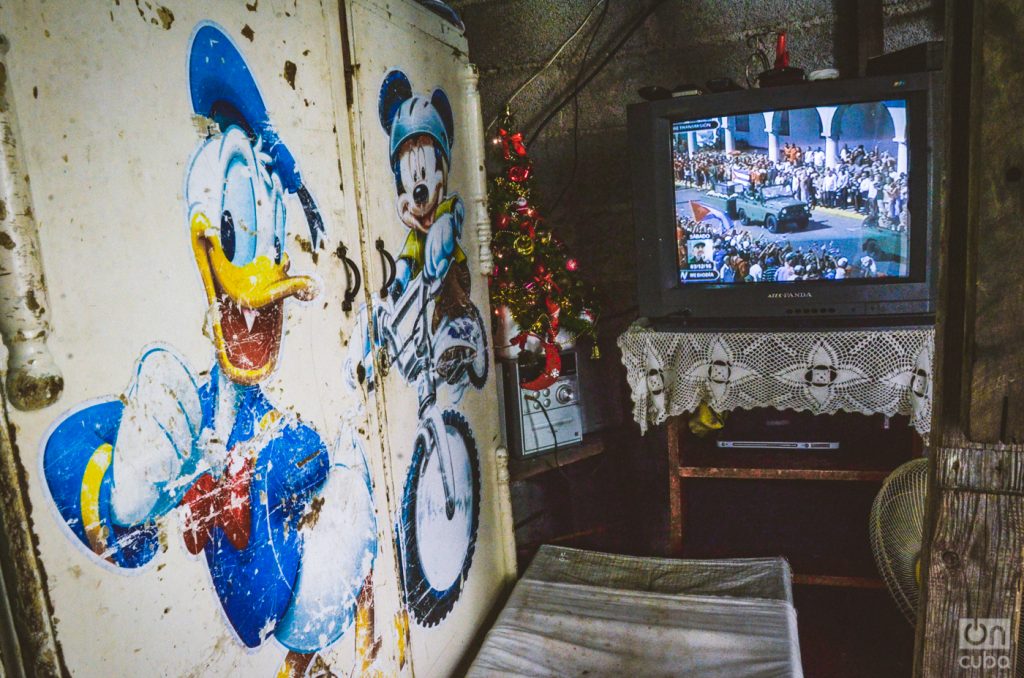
<point>897,530</point>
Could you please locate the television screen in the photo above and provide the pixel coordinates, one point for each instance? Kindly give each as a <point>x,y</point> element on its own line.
<point>803,194</point>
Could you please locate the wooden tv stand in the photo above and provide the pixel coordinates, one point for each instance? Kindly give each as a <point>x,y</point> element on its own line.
<point>870,448</point>
<point>866,389</point>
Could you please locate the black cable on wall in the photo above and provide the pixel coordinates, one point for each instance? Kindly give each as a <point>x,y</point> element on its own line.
<point>630,29</point>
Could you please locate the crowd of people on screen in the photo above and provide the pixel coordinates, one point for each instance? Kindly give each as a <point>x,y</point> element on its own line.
<point>737,256</point>
<point>863,181</point>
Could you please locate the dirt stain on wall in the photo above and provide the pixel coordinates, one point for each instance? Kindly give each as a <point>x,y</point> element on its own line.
<point>158,15</point>
<point>290,69</point>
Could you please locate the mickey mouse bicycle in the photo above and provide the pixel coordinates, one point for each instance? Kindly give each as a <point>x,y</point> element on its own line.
<point>440,510</point>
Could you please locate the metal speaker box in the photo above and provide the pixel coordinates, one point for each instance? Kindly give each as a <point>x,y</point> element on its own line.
<point>541,421</point>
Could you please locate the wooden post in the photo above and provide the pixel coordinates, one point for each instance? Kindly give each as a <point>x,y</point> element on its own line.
<point>869,33</point>
<point>973,558</point>
<point>858,34</point>
<point>675,428</point>
<point>976,558</point>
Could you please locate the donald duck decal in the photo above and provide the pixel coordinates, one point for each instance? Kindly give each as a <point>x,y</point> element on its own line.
<point>287,532</point>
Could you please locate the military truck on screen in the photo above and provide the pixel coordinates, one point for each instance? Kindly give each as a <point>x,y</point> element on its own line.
<point>773,206</point>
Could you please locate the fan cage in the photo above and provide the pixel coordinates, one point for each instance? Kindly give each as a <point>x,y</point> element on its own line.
<point>897,531</point>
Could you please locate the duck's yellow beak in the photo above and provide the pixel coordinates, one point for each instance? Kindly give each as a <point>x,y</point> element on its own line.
<point>248,299</point>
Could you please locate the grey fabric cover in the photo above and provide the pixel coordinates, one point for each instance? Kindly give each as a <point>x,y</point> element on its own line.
<point>584,613</point>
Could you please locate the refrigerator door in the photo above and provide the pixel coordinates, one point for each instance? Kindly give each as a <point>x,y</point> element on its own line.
<point>421,197</point>
<point>209,494</point>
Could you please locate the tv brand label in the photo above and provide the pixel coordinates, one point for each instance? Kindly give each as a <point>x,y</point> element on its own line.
<point>790,295</point>
<point>985,644</point>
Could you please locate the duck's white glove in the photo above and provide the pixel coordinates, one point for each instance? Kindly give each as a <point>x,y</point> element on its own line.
<point>157,454</point>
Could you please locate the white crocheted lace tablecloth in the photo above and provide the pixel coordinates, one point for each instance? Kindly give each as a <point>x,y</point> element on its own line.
<point>870,372</point>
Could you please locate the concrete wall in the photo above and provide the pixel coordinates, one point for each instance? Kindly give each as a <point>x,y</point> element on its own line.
<point>682,42</point>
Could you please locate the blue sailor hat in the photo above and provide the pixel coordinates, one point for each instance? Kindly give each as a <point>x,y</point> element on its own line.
<point>224,90</point>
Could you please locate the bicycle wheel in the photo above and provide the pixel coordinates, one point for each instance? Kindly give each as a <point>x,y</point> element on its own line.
<point>481,362</point>
<point>437,551</point>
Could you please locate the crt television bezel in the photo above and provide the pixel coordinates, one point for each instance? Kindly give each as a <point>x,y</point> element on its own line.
<point>663,298</point>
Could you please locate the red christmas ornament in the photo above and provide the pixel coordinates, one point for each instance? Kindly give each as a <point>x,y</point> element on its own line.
<point>552,364</point>
<point>539,268</point>
<point>504,221</point>
<point>519,173</point>
<point>554,310</point>
<point>546,281</point>
<point>512,142</point>
<point>571,265</point>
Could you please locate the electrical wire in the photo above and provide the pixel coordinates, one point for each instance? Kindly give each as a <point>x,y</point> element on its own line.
<point>554,452</point>
<point>554,435</point>
<point>576,109</point>
<point>554,56</point>
<point>633,25</point>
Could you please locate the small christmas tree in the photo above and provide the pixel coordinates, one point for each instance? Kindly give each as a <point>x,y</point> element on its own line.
<point>534,276</point>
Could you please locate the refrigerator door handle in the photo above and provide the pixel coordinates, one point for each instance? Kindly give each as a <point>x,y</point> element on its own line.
<point>389,266</point>
<point>351,272</point>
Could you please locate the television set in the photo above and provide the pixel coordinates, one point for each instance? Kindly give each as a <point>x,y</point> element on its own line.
<point>805,204</point>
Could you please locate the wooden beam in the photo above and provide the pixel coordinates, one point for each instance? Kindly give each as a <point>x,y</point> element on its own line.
<point>24,579</point>
<point>675,428</point>
<point>976,556</point>
<point>994,387</point>
<point>973,553</point>
<point>870,35</point>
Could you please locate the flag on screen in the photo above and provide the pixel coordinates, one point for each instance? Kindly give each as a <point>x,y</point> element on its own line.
<point>716,219</point>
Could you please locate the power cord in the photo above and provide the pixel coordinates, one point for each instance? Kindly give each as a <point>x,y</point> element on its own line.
<point>554,451</point>
<point>554,435</point>
<point>633,25</point>
<point>554,56</point>
<point>576,109</point>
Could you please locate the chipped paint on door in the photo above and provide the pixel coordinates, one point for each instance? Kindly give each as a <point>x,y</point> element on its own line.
<point>287,529</point>
<point>249,412</point>
<point>428,349</point>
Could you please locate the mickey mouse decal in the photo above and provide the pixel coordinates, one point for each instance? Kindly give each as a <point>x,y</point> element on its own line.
<point>288,533</point>
<point>421,133</point>
<point>435,336</point>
